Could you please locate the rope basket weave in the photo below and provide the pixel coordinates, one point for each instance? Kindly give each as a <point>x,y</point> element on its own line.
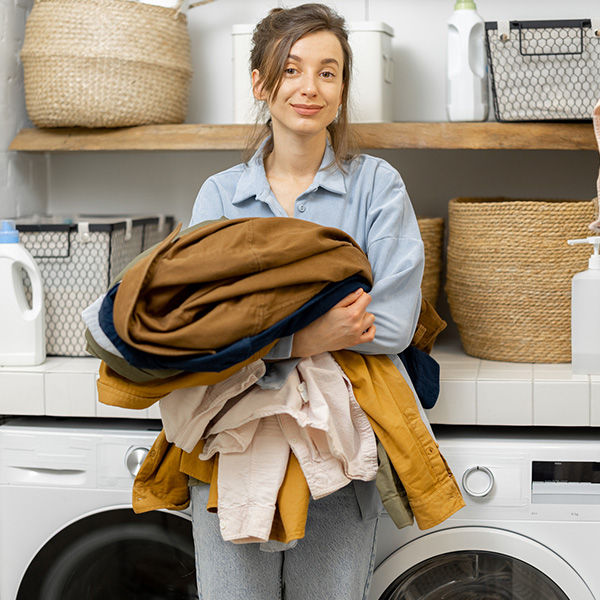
<point>432,232</point>
<point>509,271</point>
<point>105,63</point>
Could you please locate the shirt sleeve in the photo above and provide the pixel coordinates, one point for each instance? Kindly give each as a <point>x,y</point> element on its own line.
<point>396,253</point>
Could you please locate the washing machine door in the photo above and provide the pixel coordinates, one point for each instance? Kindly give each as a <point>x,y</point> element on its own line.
<point>115,555</point>
<point>476,563</point>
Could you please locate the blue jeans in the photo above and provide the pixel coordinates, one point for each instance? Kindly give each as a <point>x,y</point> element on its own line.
<point>334,560</point>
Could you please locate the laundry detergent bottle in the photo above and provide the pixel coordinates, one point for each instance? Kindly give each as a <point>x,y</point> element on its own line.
<point>22,337</point>
<point>467,82</point>
<point>585,313</point>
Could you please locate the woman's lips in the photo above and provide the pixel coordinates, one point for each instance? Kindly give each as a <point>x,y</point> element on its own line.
<point>306,109</point>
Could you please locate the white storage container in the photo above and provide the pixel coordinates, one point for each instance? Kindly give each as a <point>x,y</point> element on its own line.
<point>372,87</point>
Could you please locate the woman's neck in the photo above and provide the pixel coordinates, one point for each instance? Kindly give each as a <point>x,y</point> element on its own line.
<point>292,165</point>
<point>295,157</point>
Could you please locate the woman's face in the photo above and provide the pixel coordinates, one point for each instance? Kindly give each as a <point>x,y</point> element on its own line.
<point>311,88</point>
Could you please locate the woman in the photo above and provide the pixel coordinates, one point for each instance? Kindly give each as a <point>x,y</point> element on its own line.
<point>301,167</point>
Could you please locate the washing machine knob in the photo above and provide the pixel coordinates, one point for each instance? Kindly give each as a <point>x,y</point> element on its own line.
<point>134,458</point>
<point>478,481</point>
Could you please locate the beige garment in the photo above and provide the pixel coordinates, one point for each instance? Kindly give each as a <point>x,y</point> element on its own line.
<point>315,413</point>
<point>186,412</point>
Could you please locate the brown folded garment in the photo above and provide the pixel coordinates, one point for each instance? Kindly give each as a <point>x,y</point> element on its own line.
<point>228,280</point>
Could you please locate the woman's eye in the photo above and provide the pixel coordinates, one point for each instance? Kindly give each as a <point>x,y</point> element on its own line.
<point>290,71</point>
<point>327,74</point>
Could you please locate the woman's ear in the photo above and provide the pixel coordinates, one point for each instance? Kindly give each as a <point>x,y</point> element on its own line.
<point>256,86</point>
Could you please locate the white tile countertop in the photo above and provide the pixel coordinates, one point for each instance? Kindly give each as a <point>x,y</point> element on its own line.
<point>473,392</point>
<point>484,392</point>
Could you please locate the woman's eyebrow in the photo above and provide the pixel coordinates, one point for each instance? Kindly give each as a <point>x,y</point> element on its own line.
<point>325,61</point>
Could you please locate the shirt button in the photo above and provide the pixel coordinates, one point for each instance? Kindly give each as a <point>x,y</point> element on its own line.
<point>301,208</point>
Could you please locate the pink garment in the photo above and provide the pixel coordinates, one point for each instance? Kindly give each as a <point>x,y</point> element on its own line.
<point>315,414</point>
<point>186,412</point>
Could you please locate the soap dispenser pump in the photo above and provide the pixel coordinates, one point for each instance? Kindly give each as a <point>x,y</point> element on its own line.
<point>585,313</point>
<point>22,334</point>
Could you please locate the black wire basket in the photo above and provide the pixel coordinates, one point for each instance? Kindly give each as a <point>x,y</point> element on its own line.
<point>544,70</point>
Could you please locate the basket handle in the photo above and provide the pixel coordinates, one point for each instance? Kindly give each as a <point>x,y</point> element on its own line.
<point>200,3</point>
<point>576,52</point>
<point>180,4</point>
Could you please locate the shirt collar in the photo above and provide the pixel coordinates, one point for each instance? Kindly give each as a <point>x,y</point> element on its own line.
<point>254,183</point>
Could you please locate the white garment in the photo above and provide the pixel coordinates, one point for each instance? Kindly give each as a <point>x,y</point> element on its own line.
<point>315,414</point>
<point>91,316</point>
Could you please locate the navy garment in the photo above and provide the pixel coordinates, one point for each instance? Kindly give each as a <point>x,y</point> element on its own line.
<point>239,351</point>
<point>424,372</point>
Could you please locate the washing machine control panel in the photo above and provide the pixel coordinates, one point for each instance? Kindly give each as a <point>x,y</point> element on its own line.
<point>527,481</point>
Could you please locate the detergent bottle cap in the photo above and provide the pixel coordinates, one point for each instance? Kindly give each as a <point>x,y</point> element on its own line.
<point>594,262</point>
<point>465,5</point>
<point>8,232</point>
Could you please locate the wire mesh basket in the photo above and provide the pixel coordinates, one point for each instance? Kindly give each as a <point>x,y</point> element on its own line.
<point>78,257</point>
<point>544,70</point>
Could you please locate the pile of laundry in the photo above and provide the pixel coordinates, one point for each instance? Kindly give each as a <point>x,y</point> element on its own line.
<point>190,324</point>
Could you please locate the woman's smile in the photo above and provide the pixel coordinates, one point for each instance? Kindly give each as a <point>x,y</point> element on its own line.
<point>307,110</point>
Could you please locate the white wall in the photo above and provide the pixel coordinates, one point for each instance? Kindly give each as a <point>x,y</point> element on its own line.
<point>22,177</point>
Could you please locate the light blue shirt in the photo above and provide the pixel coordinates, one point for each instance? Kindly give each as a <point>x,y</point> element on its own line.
<point>369,202</point>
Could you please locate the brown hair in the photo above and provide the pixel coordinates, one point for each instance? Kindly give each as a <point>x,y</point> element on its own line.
<point>272,41</point>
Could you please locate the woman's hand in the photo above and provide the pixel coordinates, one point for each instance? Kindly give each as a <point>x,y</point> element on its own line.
<point>346,324</point>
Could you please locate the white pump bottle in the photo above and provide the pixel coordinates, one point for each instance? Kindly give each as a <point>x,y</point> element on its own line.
<point>585,313</point>
<point>466,85</point>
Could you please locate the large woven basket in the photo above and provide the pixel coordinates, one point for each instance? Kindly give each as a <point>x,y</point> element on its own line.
<point>509,271</point>
<point>105,63</point>
<point>432,232</point>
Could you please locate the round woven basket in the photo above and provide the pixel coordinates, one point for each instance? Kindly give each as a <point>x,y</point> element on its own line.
<point>509,271</point>
<point>105,63</point>
<point>432,232</point>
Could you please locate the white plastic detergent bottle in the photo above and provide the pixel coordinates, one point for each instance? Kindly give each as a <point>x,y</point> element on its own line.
<point>467,82</point>
<point>585,313</point>
<point>22,335</point>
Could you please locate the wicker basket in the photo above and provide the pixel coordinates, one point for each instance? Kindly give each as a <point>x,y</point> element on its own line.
<point>105,63</point>
<point>509,273</point>
<point>432,232</point>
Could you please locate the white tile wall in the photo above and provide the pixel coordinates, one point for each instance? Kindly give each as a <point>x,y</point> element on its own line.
<point>60,387</point>
<point>483,392</point>
<point>560,397</point>
<point>595,401</point>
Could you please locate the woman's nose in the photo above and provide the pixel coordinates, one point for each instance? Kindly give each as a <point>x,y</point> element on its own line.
<point>309,86</point>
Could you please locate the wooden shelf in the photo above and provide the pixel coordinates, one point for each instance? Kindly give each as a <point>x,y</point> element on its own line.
<point>441,136</point>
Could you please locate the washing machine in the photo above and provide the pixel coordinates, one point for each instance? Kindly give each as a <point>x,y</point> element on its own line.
<point>67,529</point>
<point>529,530</point>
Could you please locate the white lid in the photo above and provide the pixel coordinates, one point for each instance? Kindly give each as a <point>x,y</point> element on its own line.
<point>362,26</point>
<point>379,26</point>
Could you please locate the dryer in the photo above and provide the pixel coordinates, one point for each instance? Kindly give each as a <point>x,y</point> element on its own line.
<point>529,531</point>
<point>67,529</point>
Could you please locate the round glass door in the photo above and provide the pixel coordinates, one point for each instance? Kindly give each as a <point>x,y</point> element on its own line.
<point>116,555</point>
<point>476,563</point>
<point>473,576</point>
